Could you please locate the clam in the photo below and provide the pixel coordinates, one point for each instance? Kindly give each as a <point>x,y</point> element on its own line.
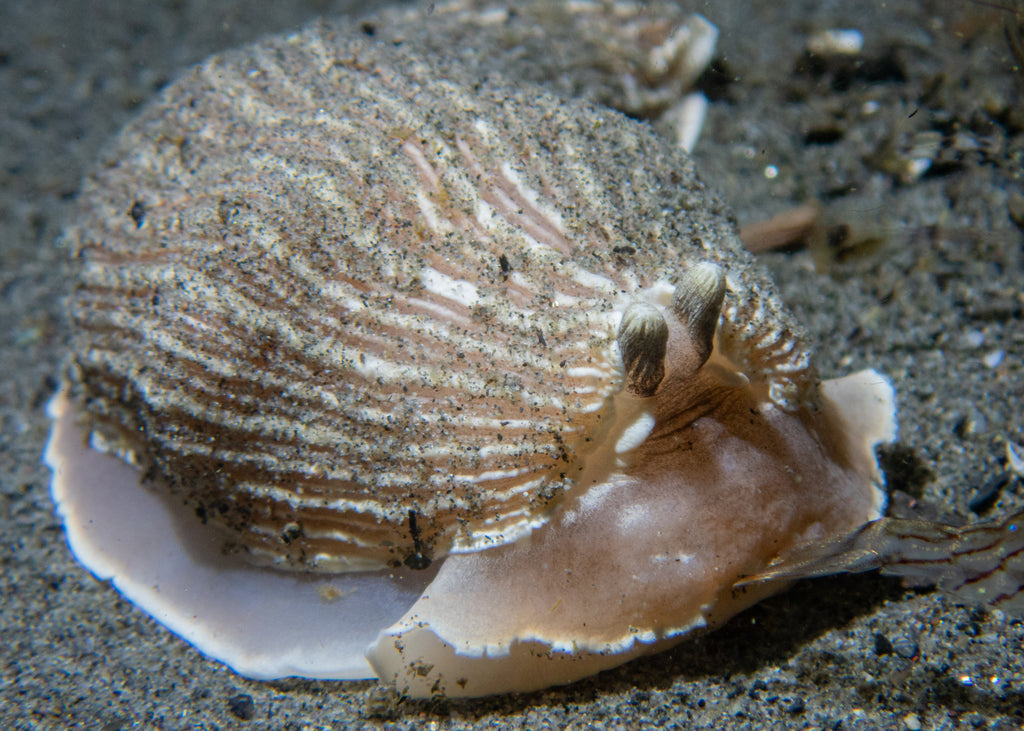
<point>384,368</point>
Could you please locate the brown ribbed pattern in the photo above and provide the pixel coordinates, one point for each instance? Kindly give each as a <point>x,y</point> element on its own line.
<point>355,311</point>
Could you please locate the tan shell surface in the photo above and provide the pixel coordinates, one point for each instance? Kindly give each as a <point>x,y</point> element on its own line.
<point>358,313</point>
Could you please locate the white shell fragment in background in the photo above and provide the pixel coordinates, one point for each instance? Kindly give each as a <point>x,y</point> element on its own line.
<point>686,52</point>
<point>687,118</point>
<point>836,42</point>
<point>994,358</point>
<point>1015,458</point>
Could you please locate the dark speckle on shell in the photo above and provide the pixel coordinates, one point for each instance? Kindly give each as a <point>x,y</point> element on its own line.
<point>358,312</point>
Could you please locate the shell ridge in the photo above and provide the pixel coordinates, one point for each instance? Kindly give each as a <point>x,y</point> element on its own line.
<point>371,263</point>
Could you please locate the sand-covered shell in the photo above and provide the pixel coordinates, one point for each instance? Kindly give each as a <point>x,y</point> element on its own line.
<point>406,310</point>
<point>359,312</point>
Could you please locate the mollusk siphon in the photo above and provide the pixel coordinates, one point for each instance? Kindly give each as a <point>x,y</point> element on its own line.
<point>432,376</point>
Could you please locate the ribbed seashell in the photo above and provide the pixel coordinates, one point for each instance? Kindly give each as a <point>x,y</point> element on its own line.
<point>358,313</point>
<point>365,295</point>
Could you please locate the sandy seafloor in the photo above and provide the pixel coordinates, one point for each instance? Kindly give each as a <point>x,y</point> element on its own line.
<point>937,305</point>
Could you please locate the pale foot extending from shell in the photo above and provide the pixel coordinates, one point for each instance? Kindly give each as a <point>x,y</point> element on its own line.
<point>632,564</point>
<point>652,557</point>
<point>263,623</point>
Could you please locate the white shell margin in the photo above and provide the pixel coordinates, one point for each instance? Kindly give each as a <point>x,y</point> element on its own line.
<point>264,624</point>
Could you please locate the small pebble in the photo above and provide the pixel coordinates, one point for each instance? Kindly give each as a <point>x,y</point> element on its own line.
<point>241,706</point>
<point>994,358</point>
<point>986,495</point>
<point>911,722</point>
<point>836,42</point>
<point>1015,205</point>
<point>974,338</point>
<point>905,647</point>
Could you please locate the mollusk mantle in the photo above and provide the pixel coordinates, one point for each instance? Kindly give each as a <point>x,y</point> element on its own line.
<point>458,368</point>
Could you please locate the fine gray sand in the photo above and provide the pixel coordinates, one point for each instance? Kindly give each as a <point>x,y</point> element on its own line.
<point>927,287</point>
